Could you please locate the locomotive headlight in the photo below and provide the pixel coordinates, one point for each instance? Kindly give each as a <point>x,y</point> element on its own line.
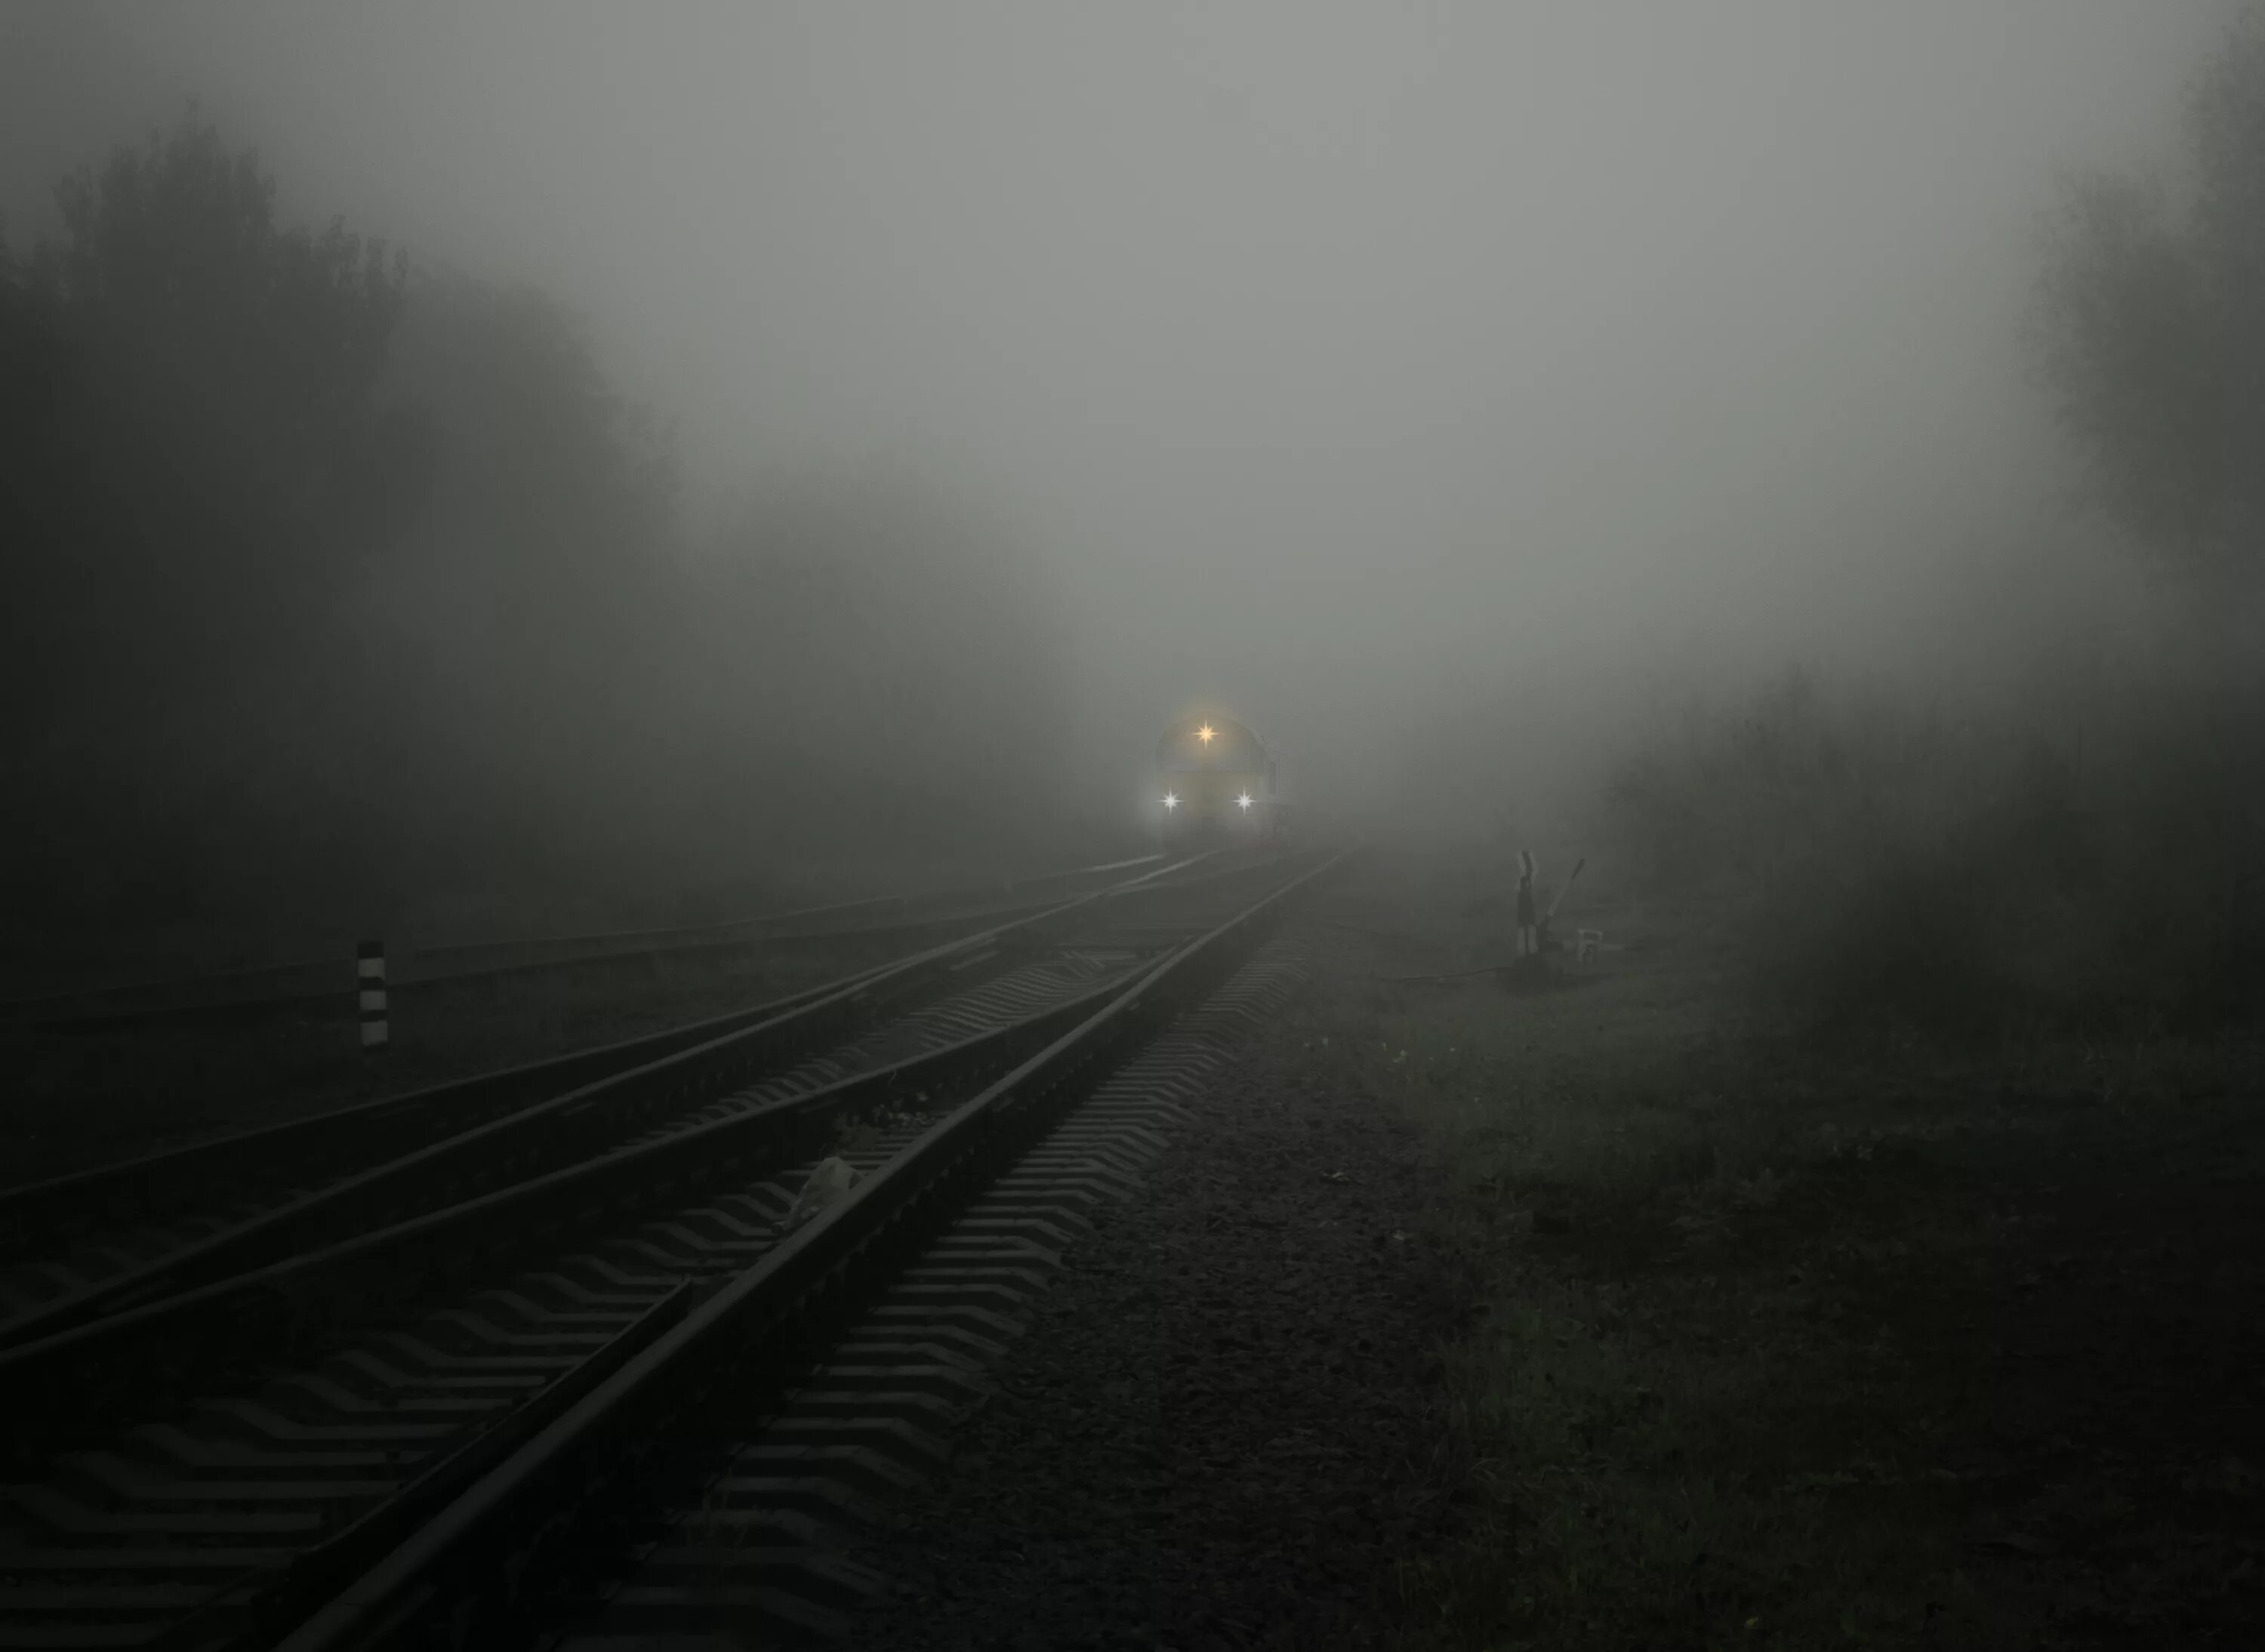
<point>1171,802</point>
<point>1244,800</point>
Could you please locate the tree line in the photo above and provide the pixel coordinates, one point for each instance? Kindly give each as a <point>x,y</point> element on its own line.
<point>334,581</point>
<point>2148,333</point>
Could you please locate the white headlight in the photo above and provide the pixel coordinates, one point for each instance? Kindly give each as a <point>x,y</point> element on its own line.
<point>1244,800</point>
<point>1171,801</point>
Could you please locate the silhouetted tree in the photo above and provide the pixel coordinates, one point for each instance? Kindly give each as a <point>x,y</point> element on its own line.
<point>331,588</point>
<point>222,364</point>
<point>522,624</point>
<point>2150,331</point>
<point>196,466</point>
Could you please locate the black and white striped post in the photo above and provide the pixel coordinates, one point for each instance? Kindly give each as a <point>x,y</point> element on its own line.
<point>373,995</point>
<point>1529,930</point>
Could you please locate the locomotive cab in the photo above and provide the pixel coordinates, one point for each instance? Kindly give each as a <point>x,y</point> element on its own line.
<point>1216,785</point>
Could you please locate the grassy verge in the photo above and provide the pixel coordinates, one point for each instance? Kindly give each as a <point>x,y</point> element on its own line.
<point>1770,1346</point>
<point>1882,866</point>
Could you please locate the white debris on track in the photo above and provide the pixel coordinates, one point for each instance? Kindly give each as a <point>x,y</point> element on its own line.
<point>827,1184</point>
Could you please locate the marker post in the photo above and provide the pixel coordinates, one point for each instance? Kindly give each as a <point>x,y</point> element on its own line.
<point>372,982</point>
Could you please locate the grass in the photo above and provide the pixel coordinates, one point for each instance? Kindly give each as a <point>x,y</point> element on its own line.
<point>1769,1345</point>
<point>1883,864</point>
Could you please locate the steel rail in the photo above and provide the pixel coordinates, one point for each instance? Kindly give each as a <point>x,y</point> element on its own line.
<point>513,1133</point>
<point>603,1461</point>
<point>77,1387</point>
<point>84,1388</point>
<point>641,940</point>
<point>407,993</point>
<point>71,1386</point>
<point>59,1392</point>
<point>146,1187</point>
<point>288,989</point>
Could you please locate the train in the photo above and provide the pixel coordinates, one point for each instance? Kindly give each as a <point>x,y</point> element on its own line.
<point>1216,786</point>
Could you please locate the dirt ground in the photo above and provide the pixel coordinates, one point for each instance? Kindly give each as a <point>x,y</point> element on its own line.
<point>1633,1327</point>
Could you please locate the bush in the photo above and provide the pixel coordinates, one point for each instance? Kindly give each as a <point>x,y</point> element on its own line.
<point>1886,865</point>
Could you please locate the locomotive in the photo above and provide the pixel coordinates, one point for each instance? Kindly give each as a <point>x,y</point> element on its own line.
<point>1215,785</point>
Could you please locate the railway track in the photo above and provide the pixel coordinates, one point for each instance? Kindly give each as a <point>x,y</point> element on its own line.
<point>762,1547</point>
<point>217,1468</point>
<point>76,1247</point>
<point>297,990</point>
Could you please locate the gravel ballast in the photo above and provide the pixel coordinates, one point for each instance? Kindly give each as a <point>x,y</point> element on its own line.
<point>1221,1428</point>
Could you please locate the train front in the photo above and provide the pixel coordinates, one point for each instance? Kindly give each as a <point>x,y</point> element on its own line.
<point>1214,785</point>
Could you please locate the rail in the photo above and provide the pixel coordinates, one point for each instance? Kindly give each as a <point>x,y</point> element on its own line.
<point>316,984</point>
<point>71,1388</point>
<point>496,1543</point>
<point>501,1120</point>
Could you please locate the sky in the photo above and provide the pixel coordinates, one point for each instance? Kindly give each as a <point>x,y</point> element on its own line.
<point>1345,362</point>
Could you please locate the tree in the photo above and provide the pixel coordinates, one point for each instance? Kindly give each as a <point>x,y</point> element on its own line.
<point>520,623</point>
<point>204,456</point>
<point>2149,332</point>
<point>196,468</point>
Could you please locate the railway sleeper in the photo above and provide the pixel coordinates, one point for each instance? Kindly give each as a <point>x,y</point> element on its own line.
<point>843,1441</point>
<point>953,1382</point>
<point>97,1265</point>
<point>253,1472</point>
<point>207,1560</point>
<point>671,1620</point>
<point>107,1599</point>
<point>719,1523</point>
<point>106,1478</point>
<point>812,1573</point>
<point>888,1401</point>
<point>434,1360</point>
<point>70,1519</point>
<point>916,1330</point>
<point>263,1421</point>
<point>303,1387</point>
<point>359,1363</point>
<point>981,1254</point>
<point>590,1307</point>
<point>760,1471</point>
<point>834,1500</point>
<point>557,1328</point>
<point>203,1454</point>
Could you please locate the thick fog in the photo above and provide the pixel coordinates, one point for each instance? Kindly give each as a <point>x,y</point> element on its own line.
<point>1425,382</point>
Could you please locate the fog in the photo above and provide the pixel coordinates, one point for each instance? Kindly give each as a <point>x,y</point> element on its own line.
<point>1438,385</point>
